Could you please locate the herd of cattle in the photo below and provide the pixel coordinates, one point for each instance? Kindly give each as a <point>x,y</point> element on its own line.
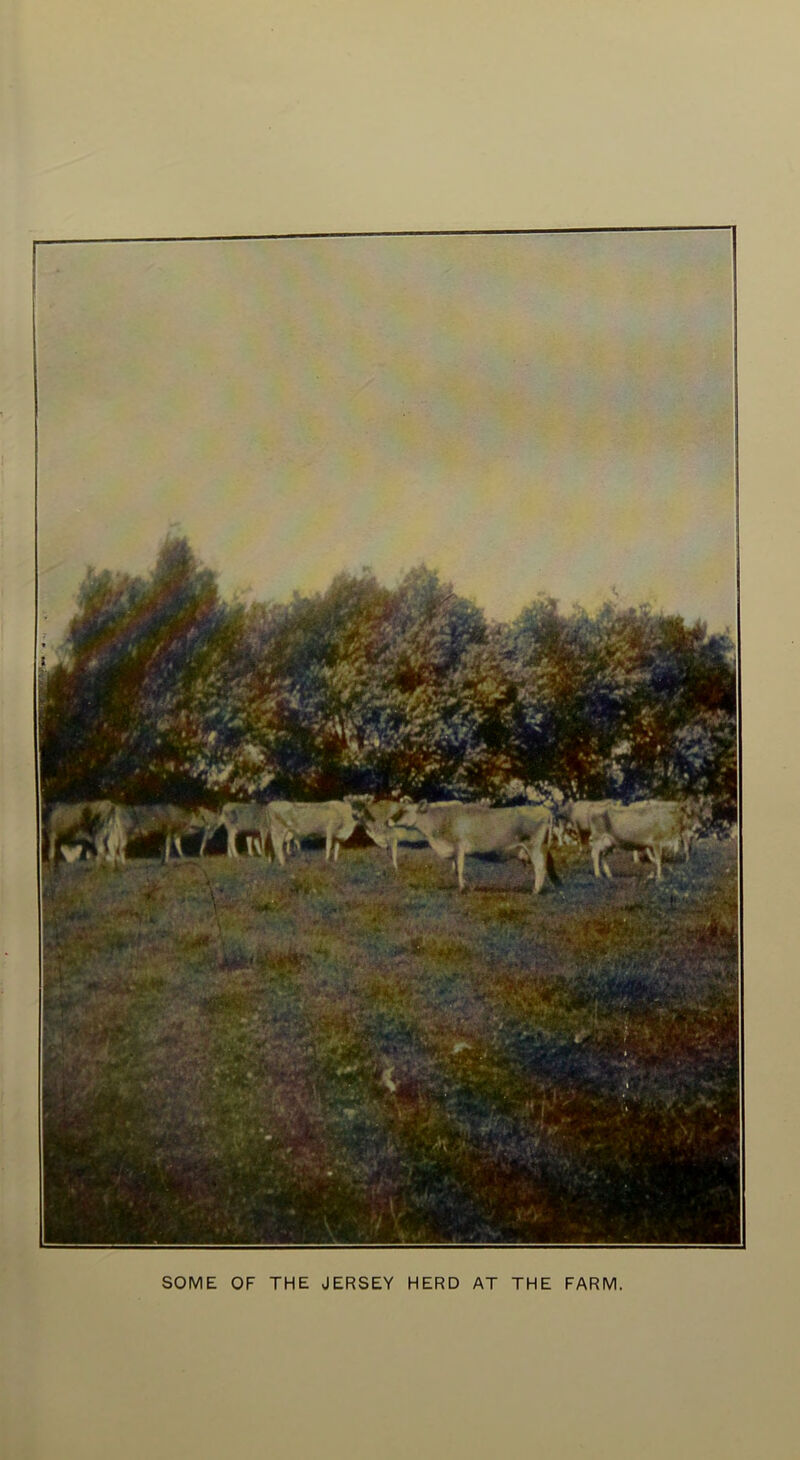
<point>455,830</point>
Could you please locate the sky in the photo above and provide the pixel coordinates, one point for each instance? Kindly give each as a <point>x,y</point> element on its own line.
<point>525,413</point>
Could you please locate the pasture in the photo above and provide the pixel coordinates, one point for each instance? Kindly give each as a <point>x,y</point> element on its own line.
<point>235,1053</point>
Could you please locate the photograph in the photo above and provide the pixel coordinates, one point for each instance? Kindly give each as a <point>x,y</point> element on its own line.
<point>388,736</point>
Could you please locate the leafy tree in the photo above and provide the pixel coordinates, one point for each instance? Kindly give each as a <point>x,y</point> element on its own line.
<point>163,690</point>
<point>122,711</point>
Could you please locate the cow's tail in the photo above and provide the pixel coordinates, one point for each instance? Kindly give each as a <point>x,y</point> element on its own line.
<point>551,866</point>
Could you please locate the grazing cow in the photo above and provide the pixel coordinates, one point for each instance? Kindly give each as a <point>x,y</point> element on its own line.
<point>457,830</point>
<point>651,827</point>
<point>576,816</point>
<point>171,822</point>
<point>84,822</point>
<point>374,817</point>
<point>333,820</point>
<point>249,819</point>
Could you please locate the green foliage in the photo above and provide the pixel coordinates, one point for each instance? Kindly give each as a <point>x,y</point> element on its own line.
<point>121,709</point>
<point>163,690</point>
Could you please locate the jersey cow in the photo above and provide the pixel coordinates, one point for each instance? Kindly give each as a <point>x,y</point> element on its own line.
<point>374,817</point>
<point>456,830</point>
<point>577,816</point>
<point>167,821</point>
<point>298,820</point>
<point>85,823</point>
<point>649,827</point>
<point>249,819</point>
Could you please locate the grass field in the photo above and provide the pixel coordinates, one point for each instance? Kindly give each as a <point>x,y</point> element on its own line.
<point>234,1053</point>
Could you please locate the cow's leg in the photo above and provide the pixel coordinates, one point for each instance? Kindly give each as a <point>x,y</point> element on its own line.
<point>393,850</point>
<point>178,845</point>
<point>460,855</point>
<point>336,845</point>
<point>656,851</point>
<point>600,858</point>
<point>328,844</point>
<point>232,852</point>
<point>165,853</point>
<point>539,861</point>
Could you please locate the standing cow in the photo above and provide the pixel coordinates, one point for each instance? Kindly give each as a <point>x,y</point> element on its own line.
<point>87,823</point>
<point>457,831</point>
<point>649,827</point>
<point>374,816</point>
<point>249,819</point>
<point>333,820</point>
<point>164,820</point>
<point>577,816</point>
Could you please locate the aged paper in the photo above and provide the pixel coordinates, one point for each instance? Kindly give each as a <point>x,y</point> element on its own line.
<point>188,123</point>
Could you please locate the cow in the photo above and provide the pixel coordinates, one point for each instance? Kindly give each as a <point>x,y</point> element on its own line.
<point>651,827</point>
<point>333,820</point>
<point>81,822</point>
<point>171,822</point>
<point>576,816</point>
<point>249,819</point>
<point>374,817</point>
<point>696,814</point>
<point>458,830</point>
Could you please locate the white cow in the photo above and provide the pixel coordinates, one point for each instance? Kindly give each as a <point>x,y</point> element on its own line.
<point>577,815</point>
<point>650,827</point>
<point>374,817</point>
<point>297,820</point>
<point>163,819</point>
<point>457,830</point>
<point>249,819</point>
<point>84,823</point>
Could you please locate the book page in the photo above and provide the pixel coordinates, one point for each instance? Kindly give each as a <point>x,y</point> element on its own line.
<point>295,294</point>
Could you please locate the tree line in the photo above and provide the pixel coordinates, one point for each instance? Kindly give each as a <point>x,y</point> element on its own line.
<point>162,690</point>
